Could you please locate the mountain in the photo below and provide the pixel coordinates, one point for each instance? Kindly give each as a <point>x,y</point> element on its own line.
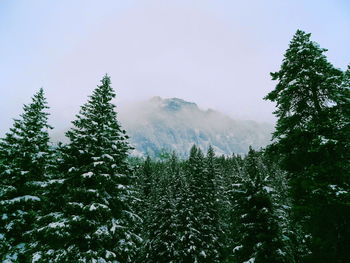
<point>161,124</point>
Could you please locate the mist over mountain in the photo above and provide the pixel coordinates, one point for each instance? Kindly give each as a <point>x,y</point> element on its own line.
<point>174,124</point>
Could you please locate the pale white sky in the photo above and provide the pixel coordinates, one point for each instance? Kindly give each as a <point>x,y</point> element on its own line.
<point>215,53</point>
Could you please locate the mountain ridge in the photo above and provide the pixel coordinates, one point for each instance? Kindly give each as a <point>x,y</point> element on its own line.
<point>173,124</point>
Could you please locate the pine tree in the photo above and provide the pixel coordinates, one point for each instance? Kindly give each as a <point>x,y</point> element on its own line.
<point>25,156</point>
<point>95,224</point>
<point>228,193</point>
<point>197,227</point>
<point>211,212</point>
<point>147,177</point>
<point>47,235</point>
<point>311,144</point>
<point>162,223</point>
<point>259,236</point>
<point>144,193</point>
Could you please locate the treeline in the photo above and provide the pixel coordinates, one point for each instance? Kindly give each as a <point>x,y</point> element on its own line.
<point>89,201</point>
<point>215,209</point>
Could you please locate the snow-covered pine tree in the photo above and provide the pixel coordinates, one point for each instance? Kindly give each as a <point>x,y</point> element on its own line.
<point>24,160</point>
<point>293,239</point>
<point>147,177</point>
<point>259,235</point>
<point>144,198</point>
<point>309,140</point>
<point>228,190</point>
<point>95,225</point>
<point>213,231</point>
<point>161,239</point>
<point>197,229</point>
<point>46,234</point>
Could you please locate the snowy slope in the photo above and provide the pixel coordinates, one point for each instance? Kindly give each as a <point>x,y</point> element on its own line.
<point>174,124</point>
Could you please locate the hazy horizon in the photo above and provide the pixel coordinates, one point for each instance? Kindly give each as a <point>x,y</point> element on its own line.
<point>216,54</point>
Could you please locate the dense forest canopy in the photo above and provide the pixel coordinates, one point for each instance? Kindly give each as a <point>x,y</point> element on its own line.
<point>89,201</point>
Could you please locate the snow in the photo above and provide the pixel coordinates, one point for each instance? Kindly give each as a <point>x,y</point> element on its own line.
<point>341,192</point>
<point>280,252</point>
<point>107,156</point>
<point>9,226</point>
<point>21,198</point>
<point>264,210</point>
<point>11,258</point>
<point>134,216</point>
<point>202,253</point>
<point>236,248</point>
<point>294,81</point>
<point>36,257</point>
<point>76,204</point>
<point>333,186</point>
<point>56,181</point>
<point>268,189</point>
<point>337,189</point>
<point>71,169</point>
<point>8,171</point>
<point>115,225</point>
<point>95,206</point>
<point>324,140</point>
<point>57,224</point>
<point>87,175</point>
<point>76,218</point>
<point>97,163</point>
<point>110,254</point>
<point>102,230</point>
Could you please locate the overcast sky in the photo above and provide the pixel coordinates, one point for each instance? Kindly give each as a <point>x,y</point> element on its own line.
<point>215,53</point>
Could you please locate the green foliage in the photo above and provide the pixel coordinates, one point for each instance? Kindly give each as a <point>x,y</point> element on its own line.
<point>81,201</point>
<point>25,159</point>
<point>95,223</point>
<point>312,144</point>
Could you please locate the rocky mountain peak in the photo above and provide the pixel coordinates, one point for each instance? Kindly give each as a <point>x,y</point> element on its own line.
<point>173,104</point>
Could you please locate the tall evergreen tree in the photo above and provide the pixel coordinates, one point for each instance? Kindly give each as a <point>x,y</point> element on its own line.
<point>210,179</point>
<point>95,224</point>
<point>198,230</point>
<point>308,140</point>
<point>147,177</point>
<point>259,237</point>
<point>24,160</point>
<point>162,219</point>
<point>228,194</point>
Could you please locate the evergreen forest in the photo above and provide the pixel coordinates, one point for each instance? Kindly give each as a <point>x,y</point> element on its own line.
<point>91,201</point>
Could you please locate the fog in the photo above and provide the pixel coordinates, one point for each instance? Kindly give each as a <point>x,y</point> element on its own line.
<point>215,53</point>
<point>174,124</point>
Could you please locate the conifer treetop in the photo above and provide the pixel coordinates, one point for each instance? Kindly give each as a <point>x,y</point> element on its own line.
<point>97,124</point>
<point>25,155</point>
<point>307,84</point>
